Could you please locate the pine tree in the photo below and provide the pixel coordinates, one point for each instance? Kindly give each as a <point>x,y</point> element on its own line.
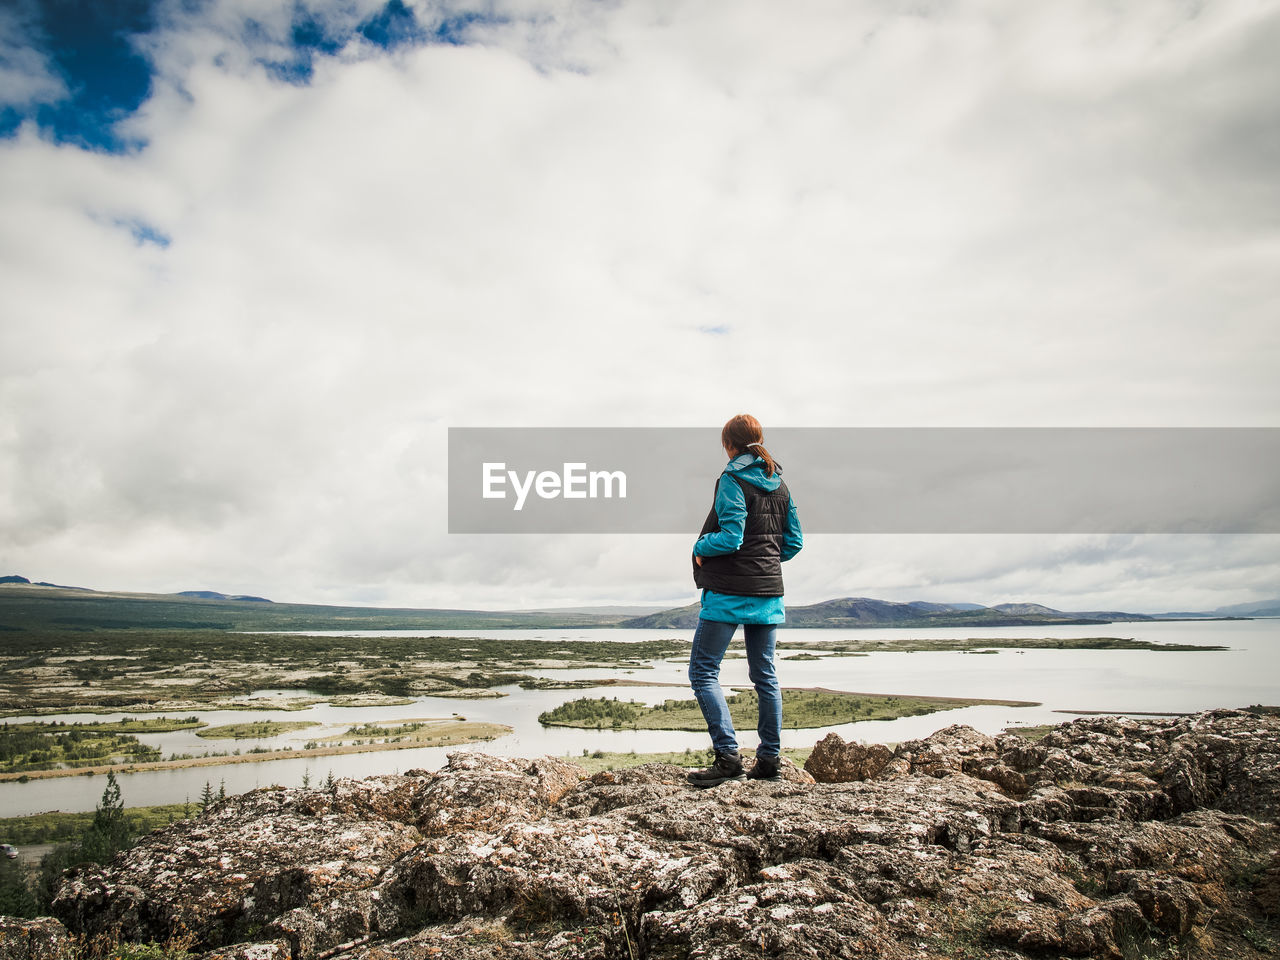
<point>109,833</point>
<point>16,897</point>
<point>52,864</point>
<point>206,796</point>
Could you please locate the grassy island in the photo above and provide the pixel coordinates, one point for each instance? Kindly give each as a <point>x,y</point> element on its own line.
<point>255,730</point>
<point>801,709</point>
<point>35,745</point>
<point>434,733</point>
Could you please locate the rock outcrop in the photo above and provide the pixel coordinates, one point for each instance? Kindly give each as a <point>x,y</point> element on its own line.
<point>1108,838</point>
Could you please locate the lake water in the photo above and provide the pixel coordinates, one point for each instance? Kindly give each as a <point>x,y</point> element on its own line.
<point>1113,681</point>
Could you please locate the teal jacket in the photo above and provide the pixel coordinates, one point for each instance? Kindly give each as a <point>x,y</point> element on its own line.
<point>731,511</point>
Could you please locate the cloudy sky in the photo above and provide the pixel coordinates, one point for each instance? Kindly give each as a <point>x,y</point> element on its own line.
<point>258,257</point>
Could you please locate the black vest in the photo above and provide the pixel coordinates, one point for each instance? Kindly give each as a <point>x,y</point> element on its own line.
<point>755,568</point>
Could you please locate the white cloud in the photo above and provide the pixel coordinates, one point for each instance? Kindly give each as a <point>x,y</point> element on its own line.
<point>996,214</point>
<point>27,77</point>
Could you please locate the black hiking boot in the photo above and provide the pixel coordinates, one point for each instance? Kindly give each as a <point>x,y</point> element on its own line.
<point>765,768</point>
<point>728,766</point>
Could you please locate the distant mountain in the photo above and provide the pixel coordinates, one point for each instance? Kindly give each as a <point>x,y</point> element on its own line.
<point>622,610</point>
<point>869,612</point>
<point>27,605</point>
<point>1111,616</point>
<point>941,607</point>
<point>1024,609</point>
<point>1256,608</point>
<point>214,595</point>
<point>863,611</point>
<point>23,581</point>
<point>1259,608</point>
<point>677,618</point>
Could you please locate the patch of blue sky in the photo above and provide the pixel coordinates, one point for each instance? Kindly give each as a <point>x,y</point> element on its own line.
<point>397,26</point>
<point>10,120</point>
<point>309,37</point>
<point>456,30</point>
<point>89,43</point>
<point>393,27</point>
<point>309,34</point>
<point>92,129</point>
<point>145,234</point>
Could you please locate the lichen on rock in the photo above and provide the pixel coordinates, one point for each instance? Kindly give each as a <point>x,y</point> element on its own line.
<point>1108,838</point>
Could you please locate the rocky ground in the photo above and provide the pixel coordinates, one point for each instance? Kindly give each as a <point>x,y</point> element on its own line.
<point>1108,838</point>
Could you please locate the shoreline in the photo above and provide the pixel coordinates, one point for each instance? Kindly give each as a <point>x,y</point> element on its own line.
<point>811,708</point>
<point>491,731</point>
<point>481,731</point>
<point>966,701</point>
<point>1127,713</point>
<point>128,678</point>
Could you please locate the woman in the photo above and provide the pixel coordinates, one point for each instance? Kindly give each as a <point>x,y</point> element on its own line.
<point>751,529</point>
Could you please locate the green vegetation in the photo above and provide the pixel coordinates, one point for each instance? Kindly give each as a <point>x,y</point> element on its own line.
<point>108,830</point>
<point>387,730</point>
<point>48,746</point>
<point>59,827</point>
<point>1260,940</point>
<point>967,933</point>
<point>598,712</point>
<point>37,609</point>
<point>1031,732</point>
<point>17,898</point>
<point>369,700</point>
<point>123,725</point>
<point>801,709</point>
<point>70,651</point>
<point>167,670</point>
<point>255,730</point>
<point>437,731</point>
<point>177,948</point>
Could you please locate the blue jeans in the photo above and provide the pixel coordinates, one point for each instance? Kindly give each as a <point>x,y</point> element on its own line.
<point>710,641</point>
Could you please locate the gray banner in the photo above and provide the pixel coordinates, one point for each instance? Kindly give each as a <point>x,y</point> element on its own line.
<point>874,480</point>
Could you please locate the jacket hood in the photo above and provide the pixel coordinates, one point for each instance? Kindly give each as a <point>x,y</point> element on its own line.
<point>750,469</point>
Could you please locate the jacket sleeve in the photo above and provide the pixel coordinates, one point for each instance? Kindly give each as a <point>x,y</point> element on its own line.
<point>731,511</point>
<point>794,540</point>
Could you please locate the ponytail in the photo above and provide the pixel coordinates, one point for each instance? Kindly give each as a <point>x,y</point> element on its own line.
<point>770,468</point>
<point>744,433</point>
